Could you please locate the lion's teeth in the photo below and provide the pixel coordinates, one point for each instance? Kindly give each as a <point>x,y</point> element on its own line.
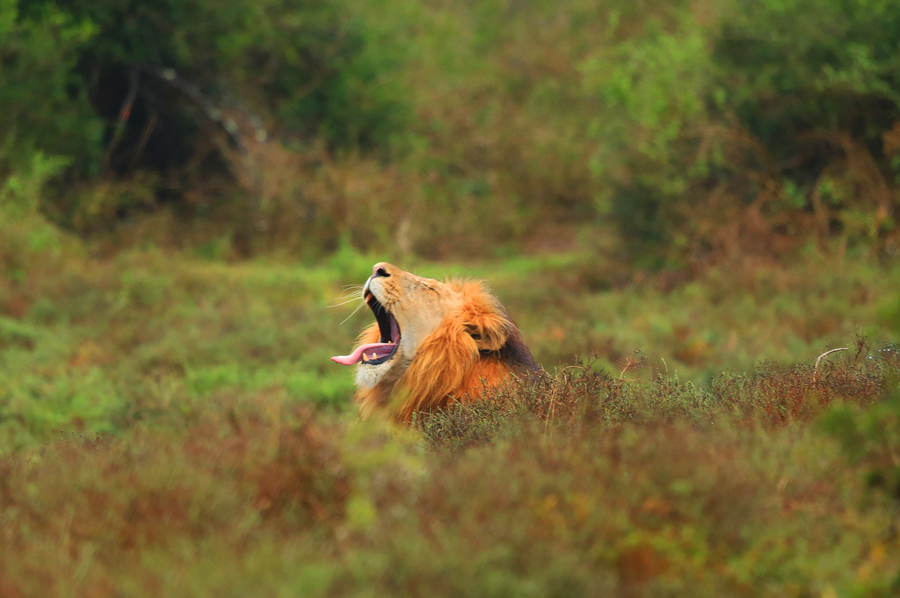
<point>365,357</point>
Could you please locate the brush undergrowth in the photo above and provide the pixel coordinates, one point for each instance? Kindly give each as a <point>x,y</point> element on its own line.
<point>172,425</point>
<point>691,131</point>
<point>90,343</point>
<point>580,397</point>
<point>571,484</point>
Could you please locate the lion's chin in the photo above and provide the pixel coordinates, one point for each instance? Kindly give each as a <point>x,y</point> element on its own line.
<point>369,376</point>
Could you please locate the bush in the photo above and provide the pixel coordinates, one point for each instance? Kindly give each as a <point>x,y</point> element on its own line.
<point>302,61</point>
<point>769,119</point>
<point>580,398</point>
<point>166,95</point>
<point>871,438</point>
<point>695,130</point>
<point>43,106</point>
<point>28,243</point>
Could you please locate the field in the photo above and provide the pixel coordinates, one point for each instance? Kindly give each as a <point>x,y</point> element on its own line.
<point>174,425</point>
<point>94,343</point>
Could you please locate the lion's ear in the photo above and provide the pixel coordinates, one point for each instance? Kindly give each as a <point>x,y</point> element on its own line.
<point>484,319</point>
<point>489,332</point>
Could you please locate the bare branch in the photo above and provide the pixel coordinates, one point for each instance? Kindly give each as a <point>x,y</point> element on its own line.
<point>816,369</point>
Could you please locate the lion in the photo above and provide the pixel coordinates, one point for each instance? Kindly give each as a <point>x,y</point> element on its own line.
<point>432,344</point>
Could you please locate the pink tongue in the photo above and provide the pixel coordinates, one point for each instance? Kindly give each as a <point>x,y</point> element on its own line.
<point>374,351</point>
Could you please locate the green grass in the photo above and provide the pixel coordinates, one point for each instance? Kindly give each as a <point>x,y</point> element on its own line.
<point>173,425</point>
<point>89,345</point>
<point>613,493</point>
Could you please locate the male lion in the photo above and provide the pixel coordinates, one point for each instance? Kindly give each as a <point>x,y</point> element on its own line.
<point>432,344</point>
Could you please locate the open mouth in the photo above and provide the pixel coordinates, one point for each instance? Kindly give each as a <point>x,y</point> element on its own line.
<point>380,352</point>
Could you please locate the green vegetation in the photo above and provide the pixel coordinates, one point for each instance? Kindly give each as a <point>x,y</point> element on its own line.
<point>173,424</point>
<point>569,485</point>
<point>684,206</point>
<point>690,131</point>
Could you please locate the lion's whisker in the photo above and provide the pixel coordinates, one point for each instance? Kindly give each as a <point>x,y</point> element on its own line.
<point>355,292</point>
<point>345,302</point>
<point>353,312</point>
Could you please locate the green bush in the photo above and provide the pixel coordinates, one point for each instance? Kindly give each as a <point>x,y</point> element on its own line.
<point>28,243</point>
<point>159,94</point>
<point>302,61</point>
<point>692,129</point>
<point>785,109</point>
<point>43,107</point>
<point>800,71</point>
<point>870,438</point>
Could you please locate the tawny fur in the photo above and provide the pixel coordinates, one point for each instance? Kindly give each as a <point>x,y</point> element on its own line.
<point>475,348</point>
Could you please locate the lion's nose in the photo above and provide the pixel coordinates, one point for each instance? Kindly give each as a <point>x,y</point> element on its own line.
<point>380,269</point>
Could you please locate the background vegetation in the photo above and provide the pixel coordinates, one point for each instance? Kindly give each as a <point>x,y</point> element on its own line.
<point>683,205</point>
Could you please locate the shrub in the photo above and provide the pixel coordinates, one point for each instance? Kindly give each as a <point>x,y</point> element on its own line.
<point>763,120</point>
<point>166,95</point>
<point>871,438</point>
<point>308,62</point>
<point>44,107</point>
<point>580,398</point>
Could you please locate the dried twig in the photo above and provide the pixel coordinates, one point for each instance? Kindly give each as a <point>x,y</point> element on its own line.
<point>816,369</point>
<point>555,391</point>
<point>151,124</point>
<point>631,364</point>
<point>124,113</point>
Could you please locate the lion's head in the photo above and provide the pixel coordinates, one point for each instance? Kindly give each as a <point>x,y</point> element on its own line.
<point>432,343</point>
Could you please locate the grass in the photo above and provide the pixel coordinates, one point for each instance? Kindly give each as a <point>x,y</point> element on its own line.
<point>171,424</point>
<point>616,492</point>
<point>91,345</point>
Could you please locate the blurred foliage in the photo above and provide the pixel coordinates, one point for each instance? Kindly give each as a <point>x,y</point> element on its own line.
<point>309,63</point>
<point>871,438</point>
<point>761,121</point>
<point>156,103</point>
<point>669,496</point>
<point>693,132</point>
<point>43,109</point>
